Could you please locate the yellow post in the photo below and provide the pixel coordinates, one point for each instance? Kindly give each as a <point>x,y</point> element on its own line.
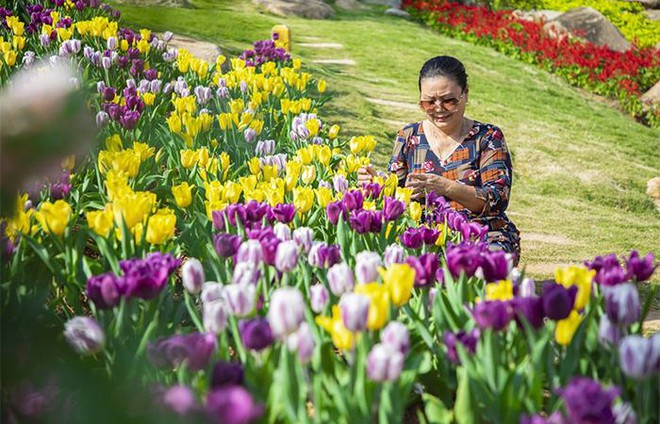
<point>281,34</point>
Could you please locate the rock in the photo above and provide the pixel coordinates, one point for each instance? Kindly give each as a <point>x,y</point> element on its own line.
<point>653,15</point>
<point>310,9</point>
<point>198,48</point>
<point>397,12</point>
<point>348,4</point>
<point>589,24</point>
<point>652,97</point>
<point>390,3</point>
<point>647,4</point>
<point>653,190</point>
<point>537,15</point>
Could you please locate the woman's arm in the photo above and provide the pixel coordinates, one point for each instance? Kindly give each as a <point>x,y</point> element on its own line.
<point>464,194</point>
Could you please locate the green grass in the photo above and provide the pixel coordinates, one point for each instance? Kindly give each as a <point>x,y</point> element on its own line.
<point>581,167</point>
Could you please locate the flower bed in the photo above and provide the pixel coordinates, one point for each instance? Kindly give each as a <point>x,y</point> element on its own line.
<point>213,260</point>
<point>622,76</point>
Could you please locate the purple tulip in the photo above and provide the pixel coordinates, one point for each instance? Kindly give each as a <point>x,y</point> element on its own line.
<point>354,311</point>
<point>412,238</point>
<point>394,254</point>
<point>622,304</point>
<point>236,214</point>
<point>250,251</point>
<point>340,278</point>
<point>366,266</point>
<point>246,273</point>
<point>226,245</point>
<point>468,340</point>
<point>473,231</point>
<point>232,405</point>
<point>429,235</point>
<point>192,275</point>
<point>496,266</point>
<point>425,268</point>
<point>531,308</point>
<point>84,335</point>
<point>587,402</point>
<point>145,278</point>
<point>256,333</point>
<point>353,200</point>
<point>304,237</point>
<point>638,356</point>
<point>303,342</point>
<point>323,256</point>
<point>319,297</point>
<point>608,333</point>
<point>241,298</point>
<point>180,400</point>
<point>284,213</point>
<point>104,290</point>
<point>226,374</point>
<point>286,312</point>
<point>492,314</point>
<point>102,119</point>
<point>384,363</point>
<point>395,334</point>
<point>195,349</point>
<point>286,258</point>
<point>364,221</point>
<point>640,268</point>
<point>282,231</point>
<point>608,270</point>
<point>129,119</point>
<point>333,210</point>
<point>555,418</point>
<point>256,211</point>
<point>557,300</point>
<point>463,258</point>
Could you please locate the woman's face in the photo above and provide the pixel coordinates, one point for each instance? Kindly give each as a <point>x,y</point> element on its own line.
<point>443,101</point>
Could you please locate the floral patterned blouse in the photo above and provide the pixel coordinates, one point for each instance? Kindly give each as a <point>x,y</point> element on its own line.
<point>482,160</point>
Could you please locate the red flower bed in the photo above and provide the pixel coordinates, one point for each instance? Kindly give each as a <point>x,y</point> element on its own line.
<point>624,76</point>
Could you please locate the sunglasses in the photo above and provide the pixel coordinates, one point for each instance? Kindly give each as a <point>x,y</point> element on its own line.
<point>446,104</point>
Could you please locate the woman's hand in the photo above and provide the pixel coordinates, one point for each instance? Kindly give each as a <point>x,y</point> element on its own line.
<point>365,175</point>
<point>425,183</point>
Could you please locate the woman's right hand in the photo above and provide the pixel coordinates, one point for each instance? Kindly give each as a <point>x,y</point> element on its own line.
<point>365,175</point>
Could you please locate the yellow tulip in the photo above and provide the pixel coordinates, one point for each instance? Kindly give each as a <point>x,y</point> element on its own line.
<point>101,222</point>
<point>269,172</point>
<point>254,165</point>
<point>214,191</point>
<point>502,290</point>
<point>174,123</point>
<point>305,155</point>
<point>342,338</point>
<point>143,150</point>
<point>161,226</point>
<point>308,174</point>
<point>379,308</point>
<point>313,125</point>
<point>188,158</point>
<point>10,57</point>
<point>579,276</point>
<point>325,155</point>
<point>114,143</point>
<point>333,132</point>
<point>403,194</point>
<point>232,192</point>
<point>54,217</point>
<point>116,184</point>
<point>182,194</point>
<point>321,86</point>
<point>303,199</point>
<point>415,210</point>
<point>566,328</point>
<point>323,196</point>
<point>399,279</point>
<point>133,208</point>
<point>248,183</point>
<point>19,223</point>
<point>148,98</point>
<point>68,162</point>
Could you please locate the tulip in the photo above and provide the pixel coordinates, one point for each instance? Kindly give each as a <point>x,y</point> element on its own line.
<point>395,334</point>
<point>84,335</point>
<point>492,314</point>
<point>624,413</point>
<point>54,217</point>
<point>587,402</point>
<point>366,266</point>
<point>384,363</point>
<point>531,308</point>
<point>496,266</point>
<point>429,235</point>
<point>399,279</point>
<point>215,315</point>
<point>340,183</point>
<point>232,404</point>
<point>192,275</point>
<point>463,258</point>
<point>333,210</point>
<point>394,253</point>
<point>319,297</point>
<point>640,268</point>
<point>180,400</point>
<point>342,338</point>
<point>527,288</point>
<point>468,340</point>
<point>287,311</point>
<point>425,267</point>
<point>393,208</point>
<point>608,270</point>
<point>557,300</point>
<point>354,311</point>
<point>567,327</point>
<point>250,251</point>
<point>303,342</point>
<point>284,213</point>
<point>412,238</point>
<point>241,298</point>
<point>104,290</point>
<point>245,273</point>
<point>304,237</point>
<point>102,119</point>
<point>636,356</point>
<point>323,256</point>
<point>363,221</point>
<point>340,278</point>
<point>622,304</point>
<point>226,245</point>
<point>212,291</point>
<point>226,374</point>
<point>282,231</point>
<point>379,308</point>
<point>182,194</point>
<point>146,278</point>
<point>194,349</point>
<point>580,277</point>
<point>608,333</point>
<point>256,333</point>
<point>499,291</point>
<point>286,257</point>
<point>353,200</point>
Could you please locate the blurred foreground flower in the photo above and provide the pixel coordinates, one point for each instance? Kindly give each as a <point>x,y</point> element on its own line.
<point>84,335</point>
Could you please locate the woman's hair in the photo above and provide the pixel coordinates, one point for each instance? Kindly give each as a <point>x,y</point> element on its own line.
<point>444,66</point>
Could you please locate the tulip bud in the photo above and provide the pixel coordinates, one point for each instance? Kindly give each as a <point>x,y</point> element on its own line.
<point>319,297</point>
<point>241,298</point>
<point>245,273</point>
<point>366,266</point>
<point>104,290</point>
<point>384,363</point>
<point>167,36</point>
<point>638,356</point>
<point>192,275</point>
<point>215,315</point>
<point>622,303</point>
<point>250,135</point>
<point>250,251</point>
<point>394,254</point>
<point>84,335</point>
<point>180,400</point>
<point>354,311</point>
<point>287,311</point>
<point>340,279</point>
<point>256,334</point>
<point>608,333</point>
<point>527,288</point>
<point>340,183</point>
<point>212,291</point>
<point>286,257</point>
<point>227,374</point>
<point>396,335</point>
<point>112,43</point>
<point>102,119</point>
<point>304,237</point>
<point>282,231</point>
<point>302,341</point>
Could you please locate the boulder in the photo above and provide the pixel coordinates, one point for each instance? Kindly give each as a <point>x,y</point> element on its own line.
<point>397,12</point>
<point>647,4</point>
<point>652,97</point>
<point>537,15</point>
<point>310,9</point>
<point>589,24</point>
<point>653,15</point>
<point>348,4</point>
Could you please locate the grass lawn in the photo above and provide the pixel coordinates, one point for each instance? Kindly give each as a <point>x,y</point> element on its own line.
<point>581,167</point>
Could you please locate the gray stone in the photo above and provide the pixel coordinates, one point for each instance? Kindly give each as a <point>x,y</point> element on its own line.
<point>537,15</point>
<point>653,15</point>
<point>390,3</point>
<point>590,25</point>
<point>397,12</point>
<point>310,9</point>
<point>647,4</point>
<point>349,4</point>
<point>652,97</point>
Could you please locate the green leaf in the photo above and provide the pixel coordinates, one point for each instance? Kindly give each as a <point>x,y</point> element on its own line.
<point>436,411</point>
<point>464,409</point>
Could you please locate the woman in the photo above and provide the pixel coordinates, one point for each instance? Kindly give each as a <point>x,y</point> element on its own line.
<point>462,159</point>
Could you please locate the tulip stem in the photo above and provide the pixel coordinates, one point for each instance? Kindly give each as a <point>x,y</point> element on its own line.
<point>237,339</point>
<point>192,312</point>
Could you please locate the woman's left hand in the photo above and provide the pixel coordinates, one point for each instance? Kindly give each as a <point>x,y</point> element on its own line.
<point>426,183</point>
